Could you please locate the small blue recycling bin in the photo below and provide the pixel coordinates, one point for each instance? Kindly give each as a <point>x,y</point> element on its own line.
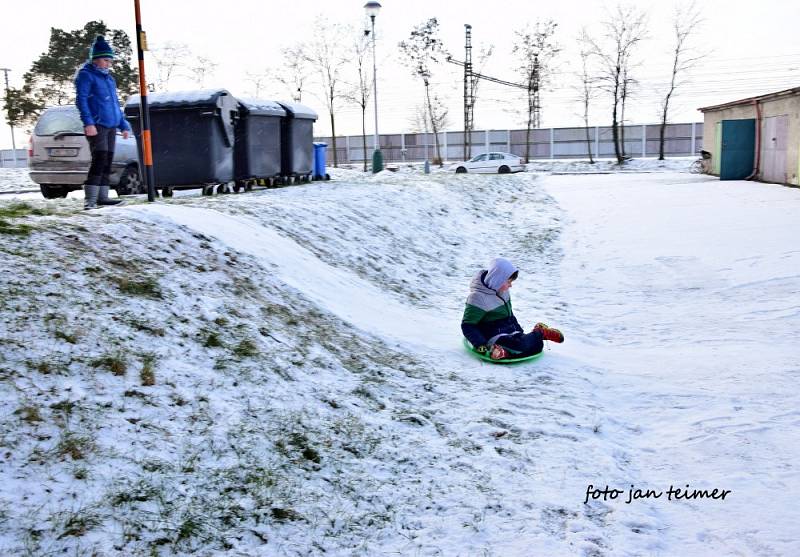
<point>319,161</point>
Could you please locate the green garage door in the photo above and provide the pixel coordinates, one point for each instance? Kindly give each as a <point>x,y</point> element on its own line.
<point>738,149</point>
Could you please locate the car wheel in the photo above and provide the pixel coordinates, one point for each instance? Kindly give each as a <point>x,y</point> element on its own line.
<point>461,170</point>
<point>54,192</point>
<point>503,170</point>
<point>130,183</point>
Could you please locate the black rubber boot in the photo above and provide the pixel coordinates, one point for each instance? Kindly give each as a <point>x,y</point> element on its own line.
<point>103,198</point>
<point>90,196</point>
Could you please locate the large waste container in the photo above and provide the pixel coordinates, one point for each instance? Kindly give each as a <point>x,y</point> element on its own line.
<point>257,147</point>
<point>297,138</point>
<point>192,135</point>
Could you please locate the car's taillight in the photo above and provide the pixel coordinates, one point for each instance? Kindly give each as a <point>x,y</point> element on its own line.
<point>30,147</point>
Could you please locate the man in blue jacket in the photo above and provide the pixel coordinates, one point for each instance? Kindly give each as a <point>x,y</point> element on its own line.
<point>101,115</point>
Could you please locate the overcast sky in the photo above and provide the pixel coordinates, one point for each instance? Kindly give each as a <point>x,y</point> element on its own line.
<point>749,48</point>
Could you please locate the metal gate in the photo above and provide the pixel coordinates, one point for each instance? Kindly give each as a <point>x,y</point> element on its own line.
<point>738,149</point>
<point>774,137</point>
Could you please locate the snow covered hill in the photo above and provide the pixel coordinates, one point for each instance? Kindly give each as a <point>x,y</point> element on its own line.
<point>280,373</point>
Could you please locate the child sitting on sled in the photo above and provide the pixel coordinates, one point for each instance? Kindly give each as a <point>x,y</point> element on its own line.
<point>489,323</point>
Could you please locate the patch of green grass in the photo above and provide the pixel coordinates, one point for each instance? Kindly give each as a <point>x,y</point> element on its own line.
<point>212,340</point>
<point>138,492</point>
<point>147,287</point>
<point>189,528</point>
<point>6,227</point>
<point>246,348</point>
<point>126,264</point>
<point>115,363</point>
<point>148,373</point>
<point>22,209</point>
<point>133,393</point>
<point>29,414</point>
<point>19,210</point>
<point>77,524</point>
<point>141,325</point>
<point>71,338</point>
<point>282,514</point>
<point>46,367</point>
<point>75,446</point>
<point>309,453</point>
<point>65,406</point>
<point>298,442</point>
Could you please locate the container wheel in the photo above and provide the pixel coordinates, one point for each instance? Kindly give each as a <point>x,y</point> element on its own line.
<point>208,190</point>
<point>166,192</point>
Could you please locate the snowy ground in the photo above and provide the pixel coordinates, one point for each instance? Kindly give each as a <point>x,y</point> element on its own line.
<point>279,373</point>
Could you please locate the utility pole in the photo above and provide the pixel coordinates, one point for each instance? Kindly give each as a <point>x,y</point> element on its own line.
<point>469,92</point>
<point>13,143</point>
<point>471,78</point>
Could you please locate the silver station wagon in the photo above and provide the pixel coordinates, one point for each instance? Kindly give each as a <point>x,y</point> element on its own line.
<point>59,156</point>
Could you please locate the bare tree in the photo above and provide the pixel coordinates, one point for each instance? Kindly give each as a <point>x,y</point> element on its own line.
<point>293,71</point>
<point>438,115</point>
<point>536,50</point>
<point>258,81</point>
<point>420,52</point>
<point>624,29</point>
<point>420,121</point>
<point>202,68</point>
<point>360,91</point>
<point>628,84</point>
<point>586,88</point>
<point>328,56</point>
<point>169,58</point>
<point>686,20</point>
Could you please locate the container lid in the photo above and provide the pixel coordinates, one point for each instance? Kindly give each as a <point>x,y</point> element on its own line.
<point>297,110</point>
<point>260,106</point>
<point>182,99</point>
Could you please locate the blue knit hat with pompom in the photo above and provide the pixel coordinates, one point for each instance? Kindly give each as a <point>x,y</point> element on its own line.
<point>101,49</point>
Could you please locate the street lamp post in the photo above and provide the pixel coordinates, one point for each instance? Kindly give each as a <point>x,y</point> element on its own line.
<point>372,8</point>
<point>13,143</point>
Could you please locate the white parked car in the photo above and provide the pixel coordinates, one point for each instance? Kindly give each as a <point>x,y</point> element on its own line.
<point>491,163</point>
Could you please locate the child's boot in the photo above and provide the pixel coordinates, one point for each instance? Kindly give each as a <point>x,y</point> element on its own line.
<point>549,333</point>
<point>498,352</point>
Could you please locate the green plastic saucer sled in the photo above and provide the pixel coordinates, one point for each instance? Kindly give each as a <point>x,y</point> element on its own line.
<point>487,358</point>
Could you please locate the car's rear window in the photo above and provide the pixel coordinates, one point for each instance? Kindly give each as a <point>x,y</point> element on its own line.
<point>65,119</point>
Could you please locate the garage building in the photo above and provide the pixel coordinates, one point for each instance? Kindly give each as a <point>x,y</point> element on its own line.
<point>758,137</point>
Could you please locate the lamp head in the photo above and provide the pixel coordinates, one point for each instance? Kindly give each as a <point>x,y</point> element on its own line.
<point>372,8</point>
